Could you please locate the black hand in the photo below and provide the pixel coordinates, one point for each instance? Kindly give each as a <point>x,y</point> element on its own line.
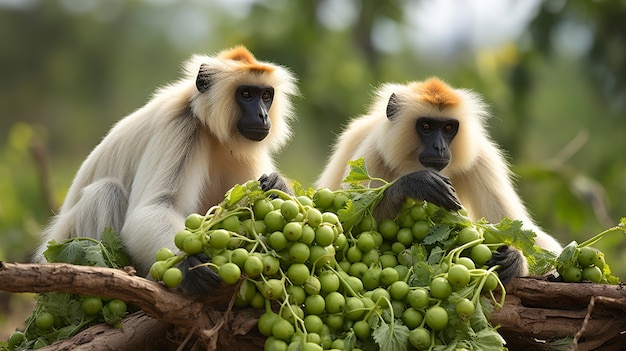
<point>511,262</point>
<point>198,279</point>
<point>274,181</point>
<point>426,185</point>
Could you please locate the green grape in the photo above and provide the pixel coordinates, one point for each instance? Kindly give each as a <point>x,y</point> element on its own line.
<point>323,198</point>
<point>599,260</point>
<point>298,273</point>
<point>231,223</point>
<point>572,274</point>
<point>420,229</point>
<point>458,276</point>
<point>354,308</point>
<point>362,330</point>
<point>324,235</point>
<point>180,237</point>
<point>335,321</point>
<point>313,323</point>
<point>274,221</point>
<point>289,209</point>
<point>440,288</point>
<point>314,217</point>
<point>357,269</point>
<point>293,231</point>
<point>312,285</point>
<point>271,265</point>
<point>464,307</point>
<point>368,223</point>
<point>354,254</point>
<point>229,273</point>
<point>436,318</point>
<point>491,283</point>
<point>172,277</point>
<point>253,266</point>
<point>593,274</point>
<point>405,236</point>
<point>480,254</point>
<point>398,290</point>
<point>388,276</point>
<point>467,235</point>
<point>335,302</point>
<point>297,294</point>
<point>365,242</point>
<point>282,329</point>
<point>370,257</point>
<point>467,262</point>
<point>16,338</point>
<point>412,318</point>
<point>308,235</point>
<point>340,200</point>
<point>305,200</point>
<point>418,212</point>
<point>274,344</point>
<point>272,289</point>
<point>157,269</point>
<point>329,282</point>
<point>192,245</point>
<point>239,256</point>
<point>388,229</point>
<point>355,284</point>
<point>219,239</point>
<point>262,207</point>
<point>193,221</point>
<point>314,304</point>
<point>266,321</point>
<point>163,254</point>
<point>277,241</point>
<point>418,298</point>
<point>388,260</point>
<point>420,338</point>
<point>299,252</point>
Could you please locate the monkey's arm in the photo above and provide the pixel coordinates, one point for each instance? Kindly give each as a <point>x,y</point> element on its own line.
<point>426,185</point>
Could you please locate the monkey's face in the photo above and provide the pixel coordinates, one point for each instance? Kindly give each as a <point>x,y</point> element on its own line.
<point>255,102</point>
<point>436,134</point>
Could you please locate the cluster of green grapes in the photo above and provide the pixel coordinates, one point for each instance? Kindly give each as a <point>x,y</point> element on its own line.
<point>60,315</point>
<point>322,288</point>
<point>587,264</point>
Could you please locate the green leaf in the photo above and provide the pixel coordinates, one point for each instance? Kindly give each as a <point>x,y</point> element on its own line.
<point>391,340</point>
<point>95,256</point>
<point>357,207</point>
<point>358,172</point>
<point>438,234</point>
<point>69,251</point>
<point>488,339</point>
<point>116,249</point>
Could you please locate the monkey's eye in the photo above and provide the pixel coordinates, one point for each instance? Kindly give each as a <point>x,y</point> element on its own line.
<point>426,126</point>
<point>246,94</point>
<point>447,128</point>
<point>266,96</point>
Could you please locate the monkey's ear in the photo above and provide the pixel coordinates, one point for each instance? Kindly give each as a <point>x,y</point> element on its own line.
<point>393,106</point>
<point>204,78</point>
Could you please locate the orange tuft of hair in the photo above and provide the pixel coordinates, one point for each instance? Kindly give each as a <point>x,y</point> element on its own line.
<point>438,93</point>
<point>244,56</point>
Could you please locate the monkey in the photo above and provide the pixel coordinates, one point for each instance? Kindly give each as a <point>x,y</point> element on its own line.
<point>432,140</point>
<point>219,125</point>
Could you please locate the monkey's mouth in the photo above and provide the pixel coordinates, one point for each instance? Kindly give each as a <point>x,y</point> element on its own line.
<point>435,163</point>
<point>254,134</point>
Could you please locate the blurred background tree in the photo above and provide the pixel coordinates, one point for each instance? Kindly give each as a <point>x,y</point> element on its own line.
<point>553,72</point>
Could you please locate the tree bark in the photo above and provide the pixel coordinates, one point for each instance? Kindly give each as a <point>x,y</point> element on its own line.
<point>590,316</point>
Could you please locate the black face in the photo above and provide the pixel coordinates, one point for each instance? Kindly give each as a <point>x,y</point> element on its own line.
<point>436,135</point>
<point>255,102</point>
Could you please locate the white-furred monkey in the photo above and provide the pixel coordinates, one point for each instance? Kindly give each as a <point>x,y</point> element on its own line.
<point>432,139</point>
<point>217,126</point>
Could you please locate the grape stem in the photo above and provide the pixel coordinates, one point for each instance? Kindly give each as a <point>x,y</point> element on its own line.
<point>599,236</point>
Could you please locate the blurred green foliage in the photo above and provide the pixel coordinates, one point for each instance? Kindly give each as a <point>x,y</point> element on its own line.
<point>72,68</point>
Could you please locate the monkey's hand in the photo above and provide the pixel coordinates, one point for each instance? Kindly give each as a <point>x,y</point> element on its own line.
<point>198,279</point>
<point>274,181</point>
<point>426,185</point>
<point>511,261</point>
